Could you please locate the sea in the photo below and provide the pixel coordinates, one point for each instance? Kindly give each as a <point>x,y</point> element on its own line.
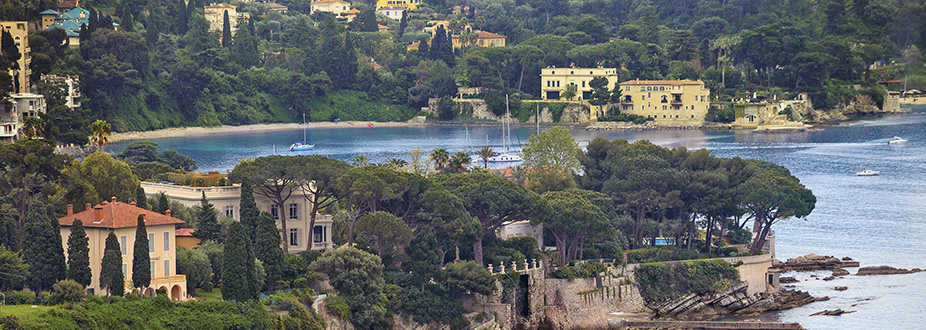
<point>877,220</point>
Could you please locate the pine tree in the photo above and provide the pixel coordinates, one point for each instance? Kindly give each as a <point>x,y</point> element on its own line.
<point>79,255</point>
<point>111,276</point>
<point>141,200</point>
<point>207,226</point>
<point>403,23</point>
<point>244,49</point>
<point>42,249</point>
<point>369,20</point>
<point>239,282</point>
<point>249,213</point>
<point>152,34</point>
<point>423,257</point>
<point>93,22</point>
<point>163,203</point>
<point>267,249</point>
<point>141,260</point>
<point>226,31</point>
<point>183,17</point>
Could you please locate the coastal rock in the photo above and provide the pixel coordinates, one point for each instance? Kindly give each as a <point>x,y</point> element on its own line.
<point>780,300</point>
<point>829,278</point>
<point>834,312</point>
<point>787,279</point>
<point>815,262</point>
<point>885,270</point>
<point>733,301</point>
<point>841,288</point>
<point>840,272</point>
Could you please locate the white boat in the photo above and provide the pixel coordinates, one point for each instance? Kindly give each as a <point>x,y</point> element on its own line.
<point>868,173</point>
<point>897,140</point>
<point>506,155</point>
<point>303,145</point>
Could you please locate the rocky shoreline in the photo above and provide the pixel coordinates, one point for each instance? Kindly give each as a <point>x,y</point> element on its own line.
<point>733,301</point>
<point>816,262</point>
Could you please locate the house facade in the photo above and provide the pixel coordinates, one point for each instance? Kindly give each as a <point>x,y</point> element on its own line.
<point>69,20</point>
<point>407,4</point>
<point>19,30</point>
<point>553,81</point>
<point>395,13</point>
<point>69,84</point>
<point>666,101</point>
<point>121,219</point>
<point>215,14</point>
<point>335,7</point>
<point>482,39</point>
<point>11,119</point>
<point>227,201</point>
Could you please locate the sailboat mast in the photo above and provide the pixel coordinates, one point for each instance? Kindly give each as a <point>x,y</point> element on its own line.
<point>507,124</point>
<point>304,129</point>
<point>537,121</point>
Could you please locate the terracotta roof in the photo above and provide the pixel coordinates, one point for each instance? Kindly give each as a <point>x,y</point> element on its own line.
<point>220,5</point>
<point>271,5</point>
<point>184,232</point>
<point>319,2</point>
<point>116,215</point>
<point>392,8</point>
<point>383,27</point>
<point>488,35</point>
<point>663,82</point>
<point>352,11</point>
<point>67,4</point>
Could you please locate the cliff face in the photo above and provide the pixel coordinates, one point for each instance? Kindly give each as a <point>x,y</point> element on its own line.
<point>862,105</point>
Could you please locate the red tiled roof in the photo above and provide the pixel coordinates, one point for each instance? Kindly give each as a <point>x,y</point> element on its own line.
<point>662,82</point>
<point>184,232</point>
<point>488,35</point>
<point>117,215</point>
<point>383,27</point>
<point>352,11</point>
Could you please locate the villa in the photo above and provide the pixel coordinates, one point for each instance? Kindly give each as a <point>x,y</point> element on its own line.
<point>121,218</point>
<point>666,101</point>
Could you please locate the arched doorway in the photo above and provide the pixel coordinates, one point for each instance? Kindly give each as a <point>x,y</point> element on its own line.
<point>135,292</point>
<point>149,292</point>
<point>166,291</point>
<point>175,293</point>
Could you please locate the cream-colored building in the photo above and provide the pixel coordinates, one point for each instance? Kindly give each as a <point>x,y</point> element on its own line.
<point>215,14</point>
<point>666,101</point>
<point>11,118</point>
<point>521,229</point>
<point>335,7</point>
<point>20,32</point>
<point>227,201</point>
<point>553,81</point>
<point>121,219</point>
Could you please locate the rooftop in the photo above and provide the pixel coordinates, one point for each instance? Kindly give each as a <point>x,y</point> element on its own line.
<point>662,82</point>
<point>184,232</point>
<point>322,2</point>
<point>116,214</point>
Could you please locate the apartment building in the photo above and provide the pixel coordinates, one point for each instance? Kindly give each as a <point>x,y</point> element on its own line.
<point>553,81</point>
<point>666,101</point>
<point>20,32</point>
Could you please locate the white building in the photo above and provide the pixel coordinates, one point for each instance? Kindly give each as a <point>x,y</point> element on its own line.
<point>215,14</point>
<point>395,13</point>
<point>335,7</point>
<point>11,119</point>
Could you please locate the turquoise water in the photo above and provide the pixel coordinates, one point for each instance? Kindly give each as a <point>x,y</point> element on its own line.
<point>877,220</point>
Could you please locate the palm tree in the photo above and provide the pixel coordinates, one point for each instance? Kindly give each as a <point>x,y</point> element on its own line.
<point>460,162</point>
<point>33,127</point>
<point>360,160</point>
<point>485,153</point>
<point>723,44</point>
<point>396,164</point>
<point>440,157</point>
<point>100,133</point>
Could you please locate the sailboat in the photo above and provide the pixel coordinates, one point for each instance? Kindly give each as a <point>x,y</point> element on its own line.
<point>302,145</point>
<point>506,155</point>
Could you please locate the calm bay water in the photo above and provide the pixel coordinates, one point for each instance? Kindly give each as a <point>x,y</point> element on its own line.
<point>877,220</point>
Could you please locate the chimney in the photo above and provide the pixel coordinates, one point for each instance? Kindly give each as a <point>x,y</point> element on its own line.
<point>167,213</point>
<point>87,207</point>
<point>98,213</point>
<point>70,209</point>
<point>114,199</point>
<point>132,203</point>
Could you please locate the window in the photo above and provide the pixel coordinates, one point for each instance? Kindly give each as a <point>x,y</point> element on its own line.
<point>152,271</point>
<point>294,237</point>
<point>663,107</point>
<point>230,211</point>
<point>318,235</point>
<point>150,242</point>
<point>125,272</point>
<point>293,211</point>
<point>275,212</point>
<point>649,88</point>
<point>662,88</point>
<point>166,241</point>
<point>642,88</point>
<point>123,244</point>
<point>583,83</point>
<point>627,88</point>
<point>166,267</point>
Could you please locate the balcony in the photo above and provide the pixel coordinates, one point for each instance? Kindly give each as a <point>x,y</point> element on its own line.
<point>626,101</point>
<point>676,102</point>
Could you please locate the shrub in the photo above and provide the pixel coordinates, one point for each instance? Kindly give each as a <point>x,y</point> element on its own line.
<point>66,291</point>
<point>659,254</point>
<point>337,306</point>
<point>660,282</point>
<point>20,297</point>
<point>740,236</point>
<point>586,269</point>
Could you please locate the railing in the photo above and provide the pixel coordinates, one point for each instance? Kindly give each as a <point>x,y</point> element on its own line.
<point>188,189</point>
<point>523,266</point>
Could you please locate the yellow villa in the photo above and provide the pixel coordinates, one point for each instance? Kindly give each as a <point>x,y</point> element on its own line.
<point>553,81</point>
<point>666,101</point>
<point>215,14</point>
<point>20,33</point>
<point>121,218</point>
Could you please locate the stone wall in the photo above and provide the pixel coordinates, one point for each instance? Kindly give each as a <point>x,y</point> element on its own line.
<point>586,302</point>
<point>575,113</point>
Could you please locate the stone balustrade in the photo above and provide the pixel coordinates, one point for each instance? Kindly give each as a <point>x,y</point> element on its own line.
<point>517,267</point>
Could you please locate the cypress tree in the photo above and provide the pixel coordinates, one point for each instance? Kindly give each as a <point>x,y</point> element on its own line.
<point>42,249</point>
<point>152,34</point>
<point>368,17</point>
<point>141,260</point>
<point>267,249</point>
<point>163,203</point>
<point>79,255</point>
<point>111,276</point>
<point>183,17</point>
<point>244,49</point>
<point>226,31</point>
<point>207,226</point>
<point>141,200</point>
<point>403,23</point>
<point>8,236</point>
<point>239,282</point>
<point>93,22</point>
<point>249,213</point>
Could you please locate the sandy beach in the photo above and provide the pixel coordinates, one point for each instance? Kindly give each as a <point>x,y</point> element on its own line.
<point>196,131</point>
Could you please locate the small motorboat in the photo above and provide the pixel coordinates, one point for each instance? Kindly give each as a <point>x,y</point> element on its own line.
<point>868,173</point>
<point>897,140</point>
